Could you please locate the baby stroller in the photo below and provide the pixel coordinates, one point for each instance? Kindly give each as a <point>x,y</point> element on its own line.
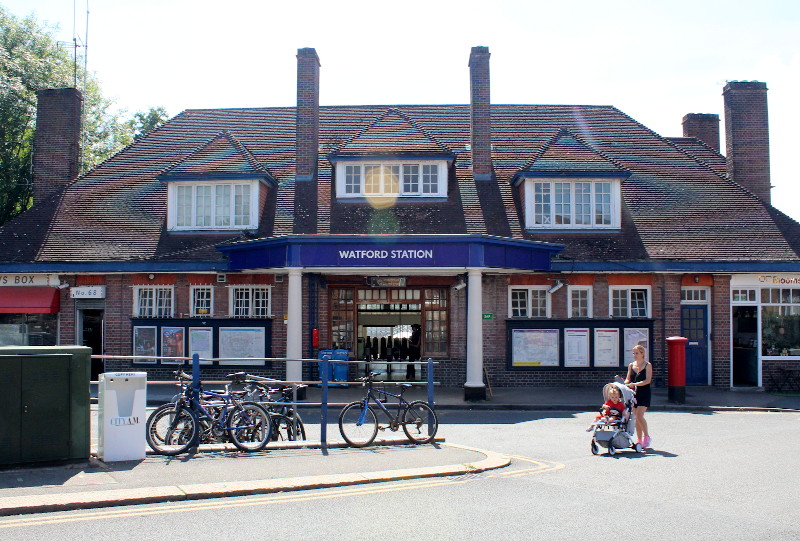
<point>619,433</point>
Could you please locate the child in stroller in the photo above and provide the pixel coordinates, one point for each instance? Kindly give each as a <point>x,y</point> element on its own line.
<point>614,431</point>
<point>612,410</point>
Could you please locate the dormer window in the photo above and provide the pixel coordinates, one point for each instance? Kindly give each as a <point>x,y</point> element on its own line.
<point>213,205</point>
<point>572,203</point>
<point>391,179</point>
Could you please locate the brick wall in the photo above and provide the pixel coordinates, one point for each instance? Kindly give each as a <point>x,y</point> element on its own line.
<point>56,146</point>
<point>480,112</point>
<point>704,127</point>
<point>721,338</point>
<point>307,114</point>
<point>747,135</point>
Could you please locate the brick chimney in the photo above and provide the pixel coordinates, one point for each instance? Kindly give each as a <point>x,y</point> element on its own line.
<point>480,113</point>
<point>56,143</point>
<point>704,127</point>
<point>307,120</point>
<point>747,135</point>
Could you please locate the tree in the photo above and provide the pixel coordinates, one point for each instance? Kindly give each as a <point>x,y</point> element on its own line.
<point>31,60</point>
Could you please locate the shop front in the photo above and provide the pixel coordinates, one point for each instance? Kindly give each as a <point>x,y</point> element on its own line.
<point>765,324</point>
<point>29,306</point>
<point>380,288</point>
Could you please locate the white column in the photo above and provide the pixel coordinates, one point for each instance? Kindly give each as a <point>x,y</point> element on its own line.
<point>294,325</point>
<point>474,329</point>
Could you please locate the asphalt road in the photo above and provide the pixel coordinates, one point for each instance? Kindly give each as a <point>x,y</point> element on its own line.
<point>708,476</point>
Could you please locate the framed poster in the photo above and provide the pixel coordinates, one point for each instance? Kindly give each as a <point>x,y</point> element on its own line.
<point>576,347</point>
<point>636,337</point>
<point>606,347</point>
<point>172,345</point>
<point>534,347</point>
<point>201,341</point>
<point>144,343</point>
<point>237,344</point>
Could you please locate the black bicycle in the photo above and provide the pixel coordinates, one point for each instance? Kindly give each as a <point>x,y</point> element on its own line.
<point>211,417</point>
<point>287,425</point>
<point>358,423</point>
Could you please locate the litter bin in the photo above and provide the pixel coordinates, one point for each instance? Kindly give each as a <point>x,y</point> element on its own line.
<point>340,370</point>
<point>122,397</point>
<point>676,379</point>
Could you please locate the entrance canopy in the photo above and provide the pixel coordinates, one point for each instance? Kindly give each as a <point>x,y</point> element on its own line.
<point>382,253</point>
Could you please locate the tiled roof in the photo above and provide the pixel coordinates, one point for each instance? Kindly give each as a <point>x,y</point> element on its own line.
<point>566,152</point>
<point>701,152</point>
<point>676,205</point>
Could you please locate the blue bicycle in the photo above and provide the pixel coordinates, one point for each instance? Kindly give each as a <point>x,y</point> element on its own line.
<point>358,423</point>
<point>212,417</point>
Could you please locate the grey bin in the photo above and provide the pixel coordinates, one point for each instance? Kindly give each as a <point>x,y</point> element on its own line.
<point>45,401</point>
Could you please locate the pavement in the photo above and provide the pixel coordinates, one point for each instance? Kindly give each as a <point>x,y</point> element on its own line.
<point>216,471</point>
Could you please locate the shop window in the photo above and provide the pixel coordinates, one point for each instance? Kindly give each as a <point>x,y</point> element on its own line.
<point>202,301</point>
<point>250,301</point>
<point>28,329</point>
<point>531,301</point>
<point>580,301</point>
<point>629,302</point>
<point>152,301</point>
<point>780,321</point>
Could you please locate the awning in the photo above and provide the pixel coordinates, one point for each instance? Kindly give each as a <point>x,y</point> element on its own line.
<point>29,300</point>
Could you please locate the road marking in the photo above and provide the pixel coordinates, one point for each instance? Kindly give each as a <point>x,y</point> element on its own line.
<point>271,499</point>
<point>540,466</point>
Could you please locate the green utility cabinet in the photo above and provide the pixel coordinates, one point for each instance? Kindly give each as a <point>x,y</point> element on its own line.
<point>44,397</point>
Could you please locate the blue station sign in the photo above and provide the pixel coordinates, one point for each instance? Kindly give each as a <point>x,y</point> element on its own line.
<point>390,251</point>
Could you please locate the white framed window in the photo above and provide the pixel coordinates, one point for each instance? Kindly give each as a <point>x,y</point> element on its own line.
<point>528,301</point>
<point>213,205</point>
<point>629,301</point>
<point>744,296</point>
<point>153,301</point>
<point>391,179</point>
<point>579,301</point>
<point>694,295</point>
<point>202,301</point>
<point>250,301</point>
<point>572,204</point>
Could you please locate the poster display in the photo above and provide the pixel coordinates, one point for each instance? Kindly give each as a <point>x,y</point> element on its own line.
<point>606,347</point>
<point>172,345</point>
<point>576,347</point>
<point>236,344</point>
<point>201,341</point>
<point>534,347</point>
<point>144,343</point>
<point>636,337</point>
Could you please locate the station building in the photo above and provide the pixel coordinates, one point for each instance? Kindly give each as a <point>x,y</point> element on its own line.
<point>533,244</point>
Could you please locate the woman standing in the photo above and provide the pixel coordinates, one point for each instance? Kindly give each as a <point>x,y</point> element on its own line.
<point>640,374</point>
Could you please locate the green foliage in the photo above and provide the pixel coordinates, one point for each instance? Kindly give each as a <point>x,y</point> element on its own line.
<point>31,60</point>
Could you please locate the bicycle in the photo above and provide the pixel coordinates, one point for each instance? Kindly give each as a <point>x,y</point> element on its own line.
<point>186,422</point>
<point>287,425</point>
<point>358,423</point>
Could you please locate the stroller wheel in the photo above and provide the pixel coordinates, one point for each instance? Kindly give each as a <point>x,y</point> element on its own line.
<point>638,447</point>
<point>594,448</point>
<point>611,449</point>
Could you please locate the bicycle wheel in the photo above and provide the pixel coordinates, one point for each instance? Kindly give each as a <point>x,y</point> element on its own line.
<point>419,422</point>
<point>170,432</point>
<point>282,429</point>
<point>358,424</point>
<point>249,427</point>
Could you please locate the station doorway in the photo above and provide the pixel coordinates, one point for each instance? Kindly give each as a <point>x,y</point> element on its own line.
<point>378,325</point>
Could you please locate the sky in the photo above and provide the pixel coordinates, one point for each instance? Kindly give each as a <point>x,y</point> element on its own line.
<point>655,61</point>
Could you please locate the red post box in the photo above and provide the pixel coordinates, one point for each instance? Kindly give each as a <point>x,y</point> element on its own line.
<point>676,369</point>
